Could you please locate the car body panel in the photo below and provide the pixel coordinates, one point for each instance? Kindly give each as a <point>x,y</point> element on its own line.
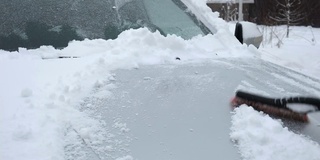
<point>183,111</point>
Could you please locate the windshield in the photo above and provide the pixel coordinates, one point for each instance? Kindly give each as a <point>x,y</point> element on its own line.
<point>31,24</point>
<point>171,19</point>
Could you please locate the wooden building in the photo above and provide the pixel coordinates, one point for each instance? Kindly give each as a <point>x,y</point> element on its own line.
<point>229,9</point>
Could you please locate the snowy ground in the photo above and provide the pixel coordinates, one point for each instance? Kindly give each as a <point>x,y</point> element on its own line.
<point>38,98</point>
<point>299,52</point>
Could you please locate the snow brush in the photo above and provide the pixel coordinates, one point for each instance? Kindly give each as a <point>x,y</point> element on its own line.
<point>279,107</point>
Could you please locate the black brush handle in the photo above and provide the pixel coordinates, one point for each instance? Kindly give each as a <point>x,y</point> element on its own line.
<point>278,102</point>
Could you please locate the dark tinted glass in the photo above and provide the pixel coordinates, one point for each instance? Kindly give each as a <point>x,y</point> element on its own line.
<point>33,23</point>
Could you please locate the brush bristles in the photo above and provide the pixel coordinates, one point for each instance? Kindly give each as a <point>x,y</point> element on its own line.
<point>271,110</point>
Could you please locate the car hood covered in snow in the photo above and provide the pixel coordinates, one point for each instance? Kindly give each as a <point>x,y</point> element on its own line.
<point>163,108</point>
<point>183,112</point>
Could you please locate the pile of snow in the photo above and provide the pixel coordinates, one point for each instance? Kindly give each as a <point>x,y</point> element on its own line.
<point>37,101</point>
<point>152,47</point>
<point>260,137</point>
<point>39,97</point>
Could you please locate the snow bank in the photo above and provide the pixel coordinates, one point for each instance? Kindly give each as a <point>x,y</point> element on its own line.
<point>149,47</point>
<point>260,137</point>
<point>36,100</point>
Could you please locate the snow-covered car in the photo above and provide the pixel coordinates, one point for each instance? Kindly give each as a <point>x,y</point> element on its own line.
<point>182,112</point>
<point>156,92</point>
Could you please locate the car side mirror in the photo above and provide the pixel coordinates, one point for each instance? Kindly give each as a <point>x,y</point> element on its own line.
<point>238,33</point>
<point>248,33</point>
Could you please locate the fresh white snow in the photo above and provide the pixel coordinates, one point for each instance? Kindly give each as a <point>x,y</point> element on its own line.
<point>299,52</point>
<point>260,137</point>
<point>250,30</point>
<point>38,97</point>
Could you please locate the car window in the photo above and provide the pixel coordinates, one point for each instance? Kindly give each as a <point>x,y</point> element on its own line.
<point>171,19</point>
<point>31,24</point>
